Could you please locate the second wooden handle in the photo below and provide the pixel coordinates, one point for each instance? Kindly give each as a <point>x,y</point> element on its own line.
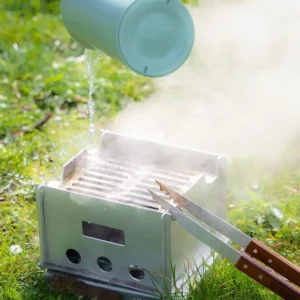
<point>274,260</point>
<point>269,279</point>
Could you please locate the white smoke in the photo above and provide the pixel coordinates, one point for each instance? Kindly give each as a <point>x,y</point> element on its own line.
<point>239,91</point>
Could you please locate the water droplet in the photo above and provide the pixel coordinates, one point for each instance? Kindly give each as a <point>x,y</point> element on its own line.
<point>92,129</point>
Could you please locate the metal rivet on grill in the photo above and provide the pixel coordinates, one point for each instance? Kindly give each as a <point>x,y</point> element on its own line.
<point>260,276</point>
<point>245,266</point>
<point>270,261</point>
<point>73,256</point>
<point>104,264</point>
<point>136,272</point>
<point>255,251</point>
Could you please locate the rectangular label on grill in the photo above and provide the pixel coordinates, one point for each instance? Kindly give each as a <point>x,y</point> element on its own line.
<point>103,233</point>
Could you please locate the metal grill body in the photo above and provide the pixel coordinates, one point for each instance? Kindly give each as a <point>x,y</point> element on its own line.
<point>101,224</point>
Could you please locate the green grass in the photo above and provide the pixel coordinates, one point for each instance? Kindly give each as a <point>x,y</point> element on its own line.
<point>41,73</point>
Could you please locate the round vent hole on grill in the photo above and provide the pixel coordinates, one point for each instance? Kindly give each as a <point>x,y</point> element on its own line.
<point>104,264</point>
<point>73,256</point>
<point>136,272</point>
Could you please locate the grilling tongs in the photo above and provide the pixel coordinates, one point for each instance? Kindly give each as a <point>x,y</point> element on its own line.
<point>286,285</point>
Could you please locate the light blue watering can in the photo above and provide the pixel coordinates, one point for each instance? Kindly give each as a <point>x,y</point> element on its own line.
<point>152,37</point>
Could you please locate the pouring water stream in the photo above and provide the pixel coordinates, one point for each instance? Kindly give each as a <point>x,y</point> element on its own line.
<point>91,58</point>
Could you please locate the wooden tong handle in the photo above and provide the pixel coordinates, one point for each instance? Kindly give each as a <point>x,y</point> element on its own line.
<point>269,279</point>
<point>274,260</point>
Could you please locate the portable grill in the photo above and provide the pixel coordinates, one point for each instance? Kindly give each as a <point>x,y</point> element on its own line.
<point>101,224</point>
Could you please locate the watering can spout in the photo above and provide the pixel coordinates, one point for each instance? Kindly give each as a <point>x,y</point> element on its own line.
<point>152,37</point>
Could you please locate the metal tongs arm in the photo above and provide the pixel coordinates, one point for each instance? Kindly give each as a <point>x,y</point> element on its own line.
<point>242,261</point>
<point>252,246</point>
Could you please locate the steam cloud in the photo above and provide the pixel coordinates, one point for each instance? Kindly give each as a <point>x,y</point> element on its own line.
<point>239,91</point>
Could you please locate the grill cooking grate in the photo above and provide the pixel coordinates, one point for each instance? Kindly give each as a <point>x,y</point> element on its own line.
<point>126,182</point>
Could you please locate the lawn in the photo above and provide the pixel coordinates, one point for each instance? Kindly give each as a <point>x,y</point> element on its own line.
<point>43,122</point>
